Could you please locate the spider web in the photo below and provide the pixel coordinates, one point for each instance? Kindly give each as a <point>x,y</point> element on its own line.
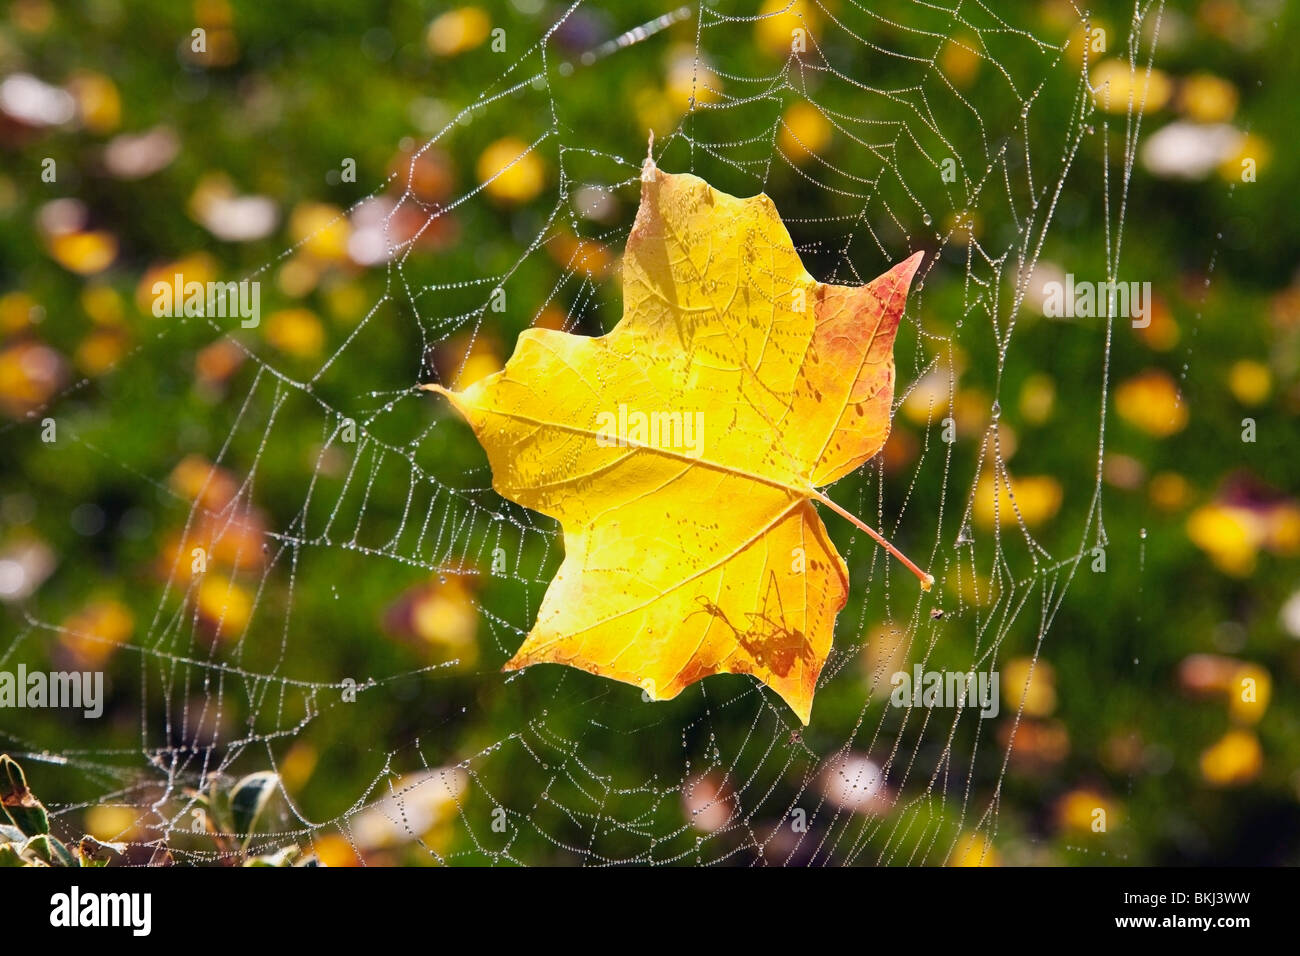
<point>387,491</point>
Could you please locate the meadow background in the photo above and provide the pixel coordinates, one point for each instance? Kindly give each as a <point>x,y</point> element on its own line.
<point>228,162</point>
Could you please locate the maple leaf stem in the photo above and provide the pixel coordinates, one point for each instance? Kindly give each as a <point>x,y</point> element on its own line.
<point>927,580</point>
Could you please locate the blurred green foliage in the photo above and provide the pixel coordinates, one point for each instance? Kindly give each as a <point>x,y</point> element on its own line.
<point>583,768</point>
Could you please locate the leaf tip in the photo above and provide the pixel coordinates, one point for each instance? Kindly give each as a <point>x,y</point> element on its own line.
<point>802,708</point>
<point>456,399</point>
<point>649,171</point>
<point>904,271</point>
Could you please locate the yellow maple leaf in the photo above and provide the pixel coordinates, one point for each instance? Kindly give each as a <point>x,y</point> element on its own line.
<point>682,451</point>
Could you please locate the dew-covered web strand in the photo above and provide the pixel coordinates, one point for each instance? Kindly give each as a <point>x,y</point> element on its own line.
<point>924,765</point>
